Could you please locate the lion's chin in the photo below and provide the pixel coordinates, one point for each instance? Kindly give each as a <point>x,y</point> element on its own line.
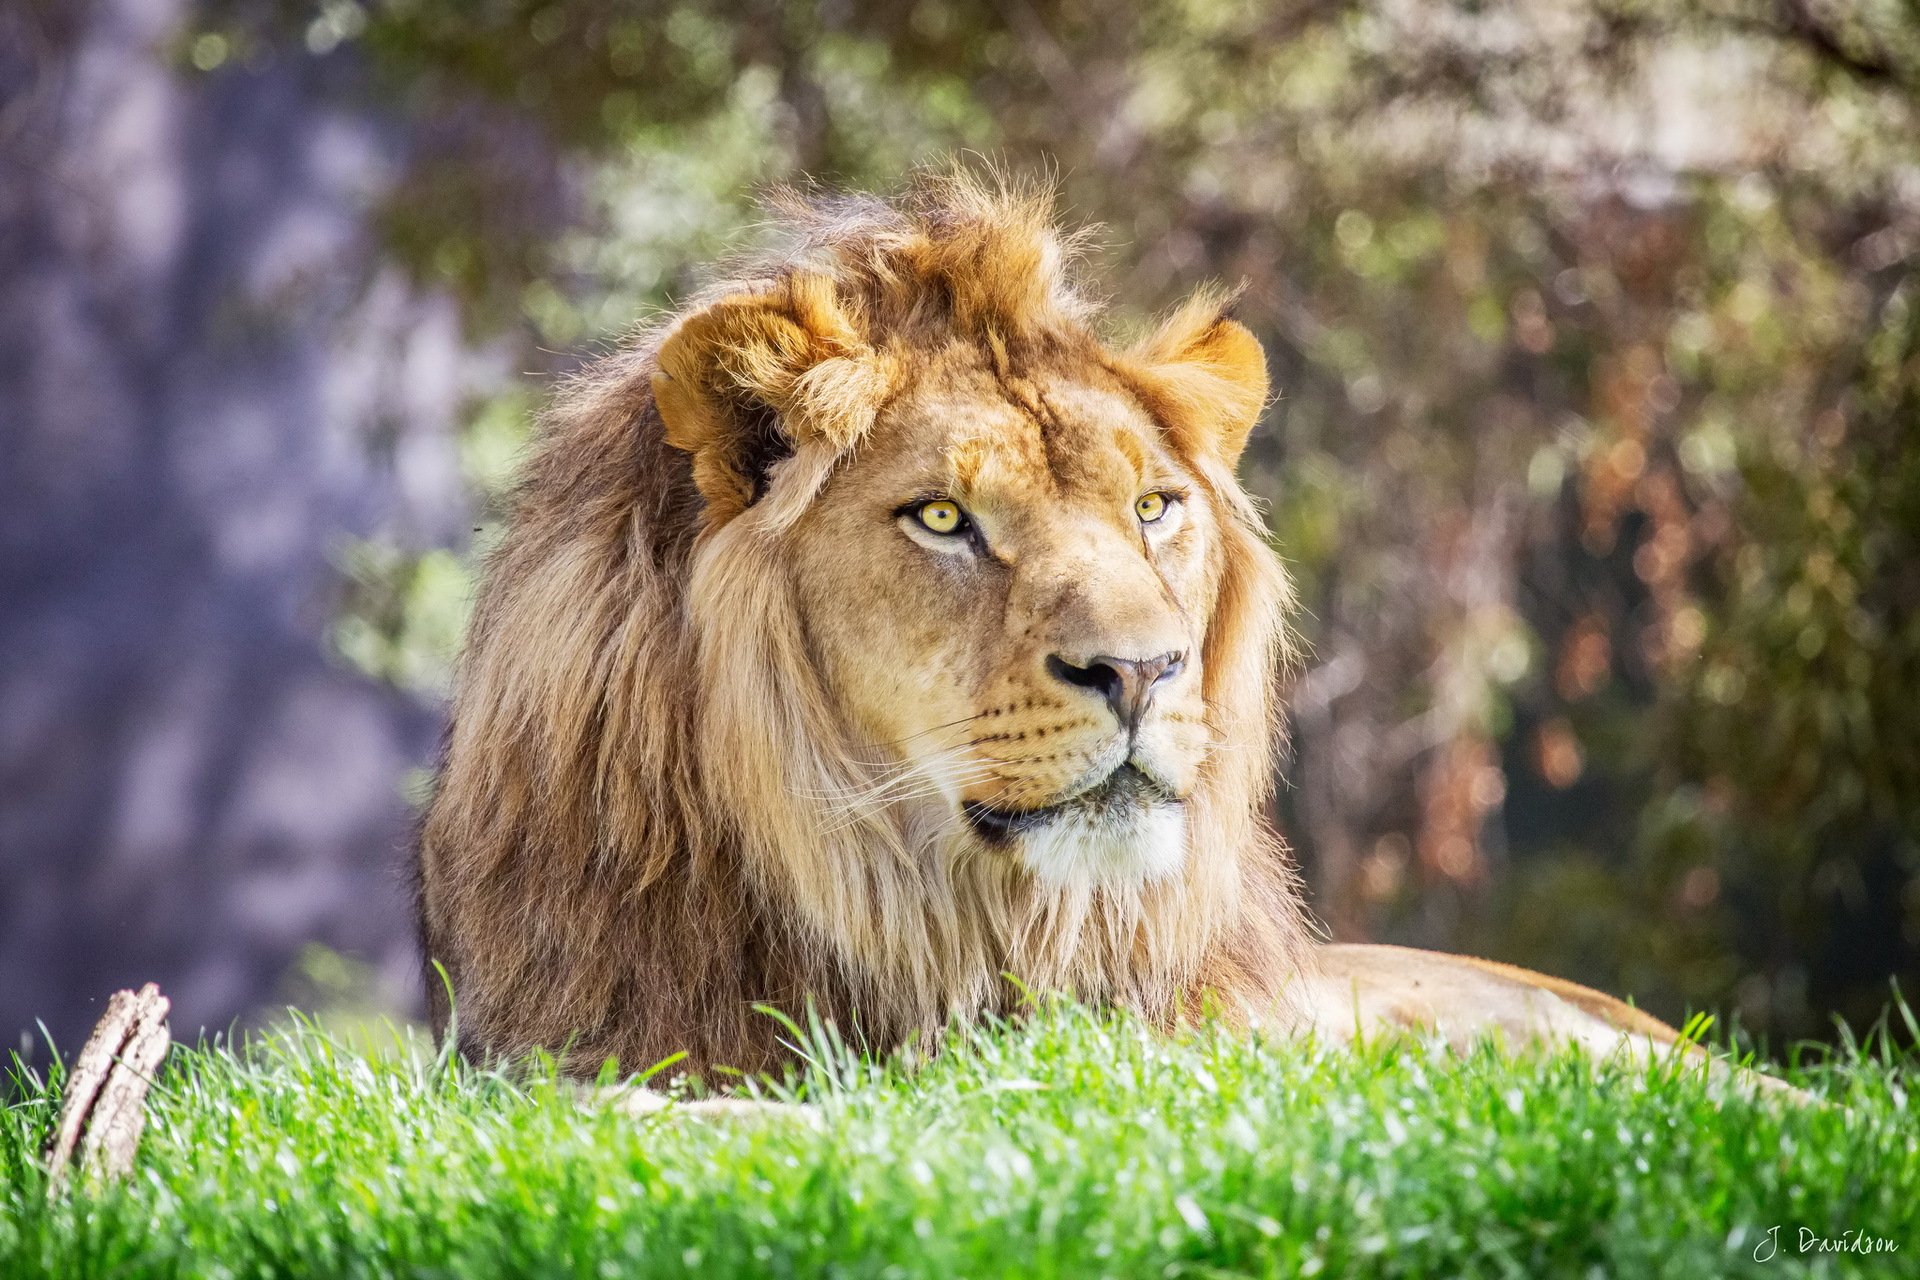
<point>1126,832</point>
<point>1105,849</point>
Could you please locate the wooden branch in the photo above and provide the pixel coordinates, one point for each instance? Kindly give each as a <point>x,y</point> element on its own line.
<point>104,1107</point>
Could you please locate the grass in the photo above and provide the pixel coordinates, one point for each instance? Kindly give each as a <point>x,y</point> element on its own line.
<point>1075,1144</point>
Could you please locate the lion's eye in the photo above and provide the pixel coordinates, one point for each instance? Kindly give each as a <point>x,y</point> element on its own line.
<point>1150,507</point>
<point>941,516</point>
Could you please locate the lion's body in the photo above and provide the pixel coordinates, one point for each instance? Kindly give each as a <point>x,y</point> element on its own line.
<point>738,726</point>
<point>1356,990</point>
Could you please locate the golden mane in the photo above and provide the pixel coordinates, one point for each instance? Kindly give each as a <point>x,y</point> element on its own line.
<point>631,842</point>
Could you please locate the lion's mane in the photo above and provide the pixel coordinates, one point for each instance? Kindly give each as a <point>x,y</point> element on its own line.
<point>630,843</point>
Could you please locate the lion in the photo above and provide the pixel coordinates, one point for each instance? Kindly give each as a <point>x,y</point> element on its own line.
<point>876,639</point>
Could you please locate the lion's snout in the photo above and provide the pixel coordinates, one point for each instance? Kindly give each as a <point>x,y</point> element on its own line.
<point>1127,684</point>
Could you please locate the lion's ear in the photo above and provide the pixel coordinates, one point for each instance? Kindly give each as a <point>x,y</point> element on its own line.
<point>745,380</point>
<point>1204,376</point>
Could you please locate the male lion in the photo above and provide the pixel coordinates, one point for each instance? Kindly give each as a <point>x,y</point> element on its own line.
<point>873,631</point>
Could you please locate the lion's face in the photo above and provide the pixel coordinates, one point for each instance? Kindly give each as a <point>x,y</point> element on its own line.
<point>961,569</point>
<point>1005,586</point>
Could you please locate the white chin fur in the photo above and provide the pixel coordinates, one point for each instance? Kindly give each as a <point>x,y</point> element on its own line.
<point>1105,850</point>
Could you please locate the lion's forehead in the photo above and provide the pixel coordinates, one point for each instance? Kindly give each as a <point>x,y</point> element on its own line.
<point>1066,434</point>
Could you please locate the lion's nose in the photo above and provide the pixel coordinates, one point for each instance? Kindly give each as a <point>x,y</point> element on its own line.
<point>1126,683</point>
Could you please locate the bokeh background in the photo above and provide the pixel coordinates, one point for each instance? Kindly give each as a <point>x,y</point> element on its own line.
<point>1595,323</point>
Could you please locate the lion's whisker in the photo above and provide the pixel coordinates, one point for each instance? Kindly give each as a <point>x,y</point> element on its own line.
<point>913,782</point>
<point>951,724</point>
<point>902,794</point>
<point>855,813</point>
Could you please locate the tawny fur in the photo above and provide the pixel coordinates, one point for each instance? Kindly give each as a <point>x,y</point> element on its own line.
<point>628,846</point>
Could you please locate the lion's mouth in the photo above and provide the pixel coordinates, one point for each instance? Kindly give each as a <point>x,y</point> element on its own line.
<point>1128,789</point>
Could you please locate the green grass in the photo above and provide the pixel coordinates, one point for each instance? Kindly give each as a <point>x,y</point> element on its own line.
<point>1077,1144</point>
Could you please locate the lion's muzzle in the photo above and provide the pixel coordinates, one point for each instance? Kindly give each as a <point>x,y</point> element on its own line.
<point>1127,684</point>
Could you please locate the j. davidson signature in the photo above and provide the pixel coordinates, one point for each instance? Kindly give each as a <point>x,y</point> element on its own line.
<point>1807,1240</point>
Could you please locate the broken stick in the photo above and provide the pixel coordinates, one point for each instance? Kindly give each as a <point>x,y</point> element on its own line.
<point>104,1107</point>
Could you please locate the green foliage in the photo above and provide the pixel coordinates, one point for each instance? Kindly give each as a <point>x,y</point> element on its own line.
<point>1075,1144</point>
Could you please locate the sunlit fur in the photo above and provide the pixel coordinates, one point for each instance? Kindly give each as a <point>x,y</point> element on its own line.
<point>673,787</point>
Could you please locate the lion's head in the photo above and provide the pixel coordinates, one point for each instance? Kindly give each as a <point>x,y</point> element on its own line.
<point>870,632</point>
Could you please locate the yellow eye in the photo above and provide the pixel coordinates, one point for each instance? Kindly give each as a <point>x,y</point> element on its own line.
<point>941,516</point>
<point>1150,507</point>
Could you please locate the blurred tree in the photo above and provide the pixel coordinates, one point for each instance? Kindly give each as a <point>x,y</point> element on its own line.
<point>1595,330</point>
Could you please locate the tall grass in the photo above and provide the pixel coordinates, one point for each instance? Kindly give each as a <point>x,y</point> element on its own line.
<point>1076,1143</point>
